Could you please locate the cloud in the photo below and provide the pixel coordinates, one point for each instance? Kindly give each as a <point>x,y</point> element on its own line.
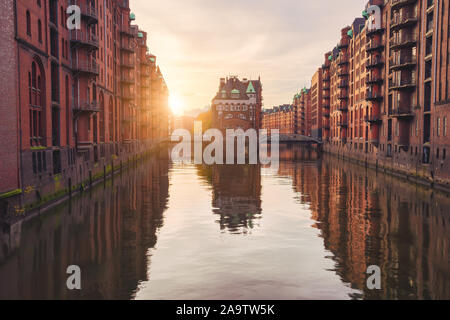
<point>199,41</point>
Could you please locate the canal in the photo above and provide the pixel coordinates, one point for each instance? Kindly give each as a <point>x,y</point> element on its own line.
<point>307,230</point>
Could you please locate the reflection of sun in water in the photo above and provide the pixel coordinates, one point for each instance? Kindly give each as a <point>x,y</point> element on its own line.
<point>176,104</point>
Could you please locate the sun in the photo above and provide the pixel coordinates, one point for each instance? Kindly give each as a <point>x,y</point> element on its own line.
<point>176,104</point>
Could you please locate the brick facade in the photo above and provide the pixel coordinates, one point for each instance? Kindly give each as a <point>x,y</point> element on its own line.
<point>283,118</point>
<point>388,102</point>
<point>238,104</point>
<point>77,102</point>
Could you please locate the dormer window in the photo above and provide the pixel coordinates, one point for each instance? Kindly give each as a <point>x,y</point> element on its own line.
<point>235,94</point>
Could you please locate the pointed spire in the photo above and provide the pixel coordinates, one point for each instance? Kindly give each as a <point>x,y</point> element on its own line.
<point>250,88</point>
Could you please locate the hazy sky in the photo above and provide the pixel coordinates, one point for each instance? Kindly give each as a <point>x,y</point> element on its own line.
<point>284,41</point>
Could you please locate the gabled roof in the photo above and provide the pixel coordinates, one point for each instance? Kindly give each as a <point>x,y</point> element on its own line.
<point>234,86</point>
<point>250,88</point>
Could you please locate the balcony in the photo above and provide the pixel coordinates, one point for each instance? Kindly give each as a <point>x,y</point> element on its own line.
<point>127,64</point>
<point>85,68</point>
<point>403,21</point>
<point>325,66</point>
<point>401,114</point>
<point>80,38</point>
<point>127,47</point>
<point>343,108</point>
<point>374,46</point>
<point>343,96</point>
<point>127,33</point>
<point>85,107</point>
<point>127,79</point>
<point>371,32</point>
<point>373,96</point>
<point>403,42</point>
<point>404,63</point>
<point>343,73</point>
<point>402,84</point>
<point>342,124</point>
<point>372,119</point>
<point>342,44</point>
<point>375,63</point>
<point>343,84</point>
<point>370,80</point>
<point>326,79</point>
<point>342,60</point>
<point>89,13</point>
<point>396,4</point>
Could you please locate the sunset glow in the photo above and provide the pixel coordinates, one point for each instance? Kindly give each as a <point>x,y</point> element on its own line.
<point>176,104</point>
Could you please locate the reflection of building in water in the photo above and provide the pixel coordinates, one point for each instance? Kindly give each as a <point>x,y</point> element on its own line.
<point>293,151</point>
<point>368,218</point>
<point>107,232</point>
<point>236,195</point>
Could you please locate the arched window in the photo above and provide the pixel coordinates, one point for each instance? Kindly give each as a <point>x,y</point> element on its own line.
<point>36,100</point>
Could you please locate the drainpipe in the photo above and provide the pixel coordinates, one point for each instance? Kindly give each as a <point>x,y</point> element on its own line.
<point>18,111</point>
<point>106,48</point>
<point>436,36</point>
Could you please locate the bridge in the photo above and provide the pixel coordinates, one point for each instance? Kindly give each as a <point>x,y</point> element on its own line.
<point>297,138</point>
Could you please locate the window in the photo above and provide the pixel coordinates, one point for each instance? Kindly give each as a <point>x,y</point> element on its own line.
<point>40,30</point>
<point>445,126</point>
<point>438,127</point>
<point>28,23</point>
<point>36,103</point>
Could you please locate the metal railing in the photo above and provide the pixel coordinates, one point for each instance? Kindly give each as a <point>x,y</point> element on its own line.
<point>402,82</point>
<point>403,40</point>
<point>87,106</point>
<point>84,37</point>
<point>86,67</point>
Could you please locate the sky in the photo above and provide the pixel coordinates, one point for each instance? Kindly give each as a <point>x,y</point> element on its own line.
<point>197,42</point>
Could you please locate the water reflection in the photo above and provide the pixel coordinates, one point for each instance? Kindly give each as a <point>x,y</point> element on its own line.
<point>106,232</point>
<point>236,197</point>
<point>311,230</point>
<point>369,218</point>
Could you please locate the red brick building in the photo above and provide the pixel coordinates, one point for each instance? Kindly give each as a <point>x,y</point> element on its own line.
<point>317,92</point>
<point>77,102</point>
<point>238,104</point>
<point>302,105</point>
<point>282,118</point>
<point>389,89</point>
